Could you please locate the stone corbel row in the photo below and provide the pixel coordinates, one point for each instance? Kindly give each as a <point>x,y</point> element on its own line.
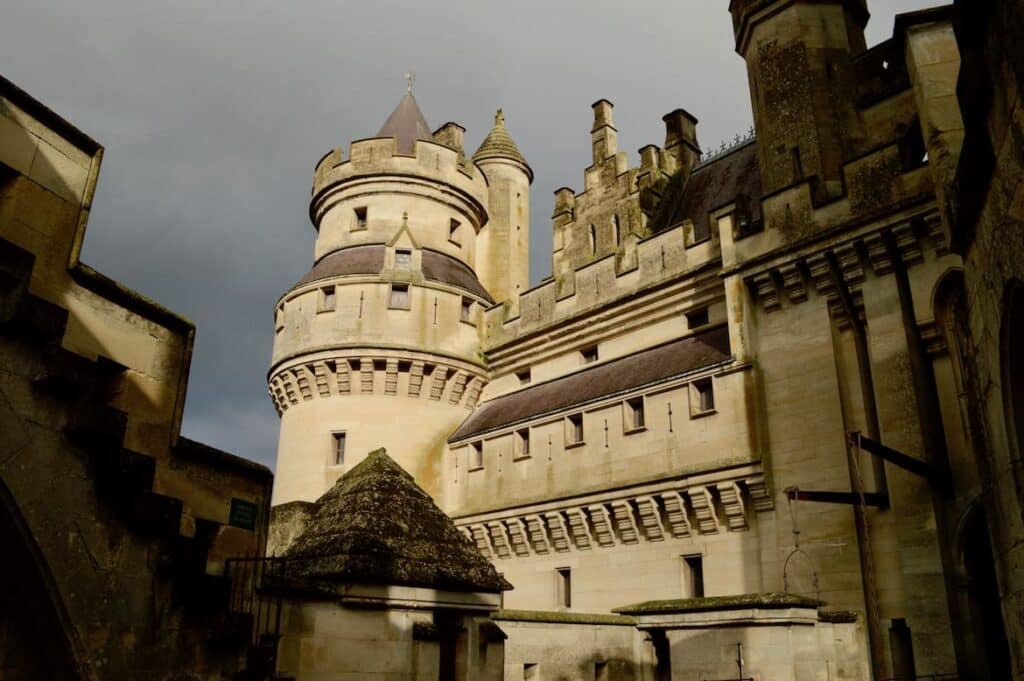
<point>357,376</point>
<point>795,279</point>
<point>705,509</point>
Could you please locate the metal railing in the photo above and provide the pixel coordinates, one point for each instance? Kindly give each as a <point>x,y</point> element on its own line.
<point>252,597</point>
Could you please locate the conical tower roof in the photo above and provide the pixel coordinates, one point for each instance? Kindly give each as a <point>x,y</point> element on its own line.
<point>499,144</point>
<point>377,526</point>
<point>406,124</point>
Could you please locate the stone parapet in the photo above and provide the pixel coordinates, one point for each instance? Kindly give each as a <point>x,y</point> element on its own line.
<point>431,162</point>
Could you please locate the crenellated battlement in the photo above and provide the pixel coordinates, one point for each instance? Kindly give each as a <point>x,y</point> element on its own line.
<point>430,162</point>
<point>644,264</point>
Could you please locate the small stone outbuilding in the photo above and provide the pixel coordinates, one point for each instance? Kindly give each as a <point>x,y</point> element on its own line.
<point>378,580</point>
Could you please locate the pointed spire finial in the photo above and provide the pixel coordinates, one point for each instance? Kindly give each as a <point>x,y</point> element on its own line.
<point>499,118</point>
<point>410,78</point>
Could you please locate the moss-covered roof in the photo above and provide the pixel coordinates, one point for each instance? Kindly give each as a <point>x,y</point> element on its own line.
<point>498,143</point>
<point>377,526</point>
<point>741,602</point>
<point>560,617</point>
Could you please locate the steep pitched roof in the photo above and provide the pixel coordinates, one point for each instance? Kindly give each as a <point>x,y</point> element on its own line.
<point>641,368</point>
<point>734,176</point>
<point>406,124</point>
<point>498,143</point>
<point>377,526</point>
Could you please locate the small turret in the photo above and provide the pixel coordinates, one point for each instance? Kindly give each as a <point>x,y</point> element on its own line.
<point>798,55</point>
<point>503,245</point>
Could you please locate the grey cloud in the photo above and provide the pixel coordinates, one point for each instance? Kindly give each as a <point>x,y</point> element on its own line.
<point>213,115</point>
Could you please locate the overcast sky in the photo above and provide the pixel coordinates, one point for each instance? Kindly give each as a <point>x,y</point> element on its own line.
<point>213,114</point>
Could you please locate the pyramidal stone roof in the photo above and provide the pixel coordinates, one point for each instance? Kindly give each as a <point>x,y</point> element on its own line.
<point>377,526</point>
<point>498,143</point>
<point>406,124</point>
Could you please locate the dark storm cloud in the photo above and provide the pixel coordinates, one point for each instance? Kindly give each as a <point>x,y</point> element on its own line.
<point>212,115</point>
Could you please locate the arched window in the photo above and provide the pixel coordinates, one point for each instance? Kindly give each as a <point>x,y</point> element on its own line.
<point>615,230</point>
<point>593,240</point>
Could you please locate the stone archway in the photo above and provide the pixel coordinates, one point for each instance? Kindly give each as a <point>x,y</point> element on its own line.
<point>988,649</point>
<point>35,637</point>
<point>1012,361</point>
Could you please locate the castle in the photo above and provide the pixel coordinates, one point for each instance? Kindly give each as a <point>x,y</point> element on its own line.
<point>763,421</point>
<point>745,377</point>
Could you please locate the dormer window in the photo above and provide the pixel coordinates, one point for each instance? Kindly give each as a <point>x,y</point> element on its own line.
<point>403,259</point>
<point>359,222</point>
<point>589,355</point>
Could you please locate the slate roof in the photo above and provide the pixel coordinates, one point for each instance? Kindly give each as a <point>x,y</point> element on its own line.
<point>406,124</point>
<point>377,526</point>
<point>498,143</point>
<point>369,259</point>
<point>735,176</point>
<point>639,369</point>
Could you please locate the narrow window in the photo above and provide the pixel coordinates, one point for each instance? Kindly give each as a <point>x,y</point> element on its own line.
<point>703,396</point>
<point>693,576</point>
<point>453,230</point>
<point>403,259</point>
<point>635,413</point>
<point>524,377</point>
<point>466,312</point>
<point>279,319</point>
<point>615,230</point>
<point>338,447</point>
<point>360,219</point>
<point>798,166</point>
<point>328,300</point>
<point>523,443</point>
<point>593,240</point>
<point>399,296</point>
<point>564,587</point>
<point>476,455</point>
<point>531,671</point>
<point>601,671</point>
<point>574,429</point>
<point>697,318</point>
<point>589,354</point>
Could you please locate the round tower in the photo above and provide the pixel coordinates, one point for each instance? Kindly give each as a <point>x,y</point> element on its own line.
<point>503,262</point>
<point>377,346</point>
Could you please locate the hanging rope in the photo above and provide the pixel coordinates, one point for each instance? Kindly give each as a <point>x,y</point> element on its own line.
<point>797,551</point>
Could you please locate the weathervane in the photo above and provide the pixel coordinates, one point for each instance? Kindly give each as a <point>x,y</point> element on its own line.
<point>410,78</point>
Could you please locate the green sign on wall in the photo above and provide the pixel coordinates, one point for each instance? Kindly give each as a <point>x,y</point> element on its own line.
<point>243,514</point>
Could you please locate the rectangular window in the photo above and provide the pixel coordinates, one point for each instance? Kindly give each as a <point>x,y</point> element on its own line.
<point>328,300</point>
<point>635,413</point>
<point>476,455</point>
<point>403,259</point>
<point>360,219</point>
<point>399,297</point>
<point>453,231</point>
<point>601,671</point>
<point>702,397</point>
<point>338,446</point>
<point>522,443</point>
<point>279,318</point>
<point>574,430</point>
<point>524,377</point>
<point>531,671</point>
<point>693,576</point>
<point>466,311</point>
<point>697,318</point>
<point>564,587</point>
<point>798,166</point>
<point>589,354</point>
